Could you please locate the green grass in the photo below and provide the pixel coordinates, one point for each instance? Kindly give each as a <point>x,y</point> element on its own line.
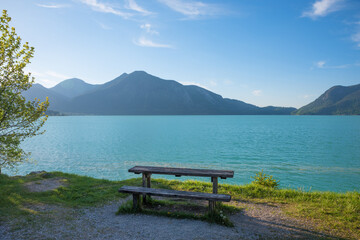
<point>337,211</point>
<point>79,191</point>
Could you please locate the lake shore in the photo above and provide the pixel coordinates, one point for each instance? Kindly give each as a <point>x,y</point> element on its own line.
<point>73,206</point>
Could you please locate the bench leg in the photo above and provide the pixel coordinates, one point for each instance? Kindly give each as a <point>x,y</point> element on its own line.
<point>212,206</point>
<point>136,201</point>
<point>148,184</point>
<point>144,185</point>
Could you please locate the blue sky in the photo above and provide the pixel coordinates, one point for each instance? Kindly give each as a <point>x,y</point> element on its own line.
<point>281,52</point>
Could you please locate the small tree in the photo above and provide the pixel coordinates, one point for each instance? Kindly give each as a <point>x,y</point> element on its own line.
<point>19,119</point>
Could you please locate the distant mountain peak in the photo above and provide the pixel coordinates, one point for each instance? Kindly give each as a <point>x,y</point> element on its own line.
<point>74,79</point>
<point>70,82</point>
<point>140,75</point>
<point>139,72</point>
<point>123,75</point>
<point>72,87</point>
<point>337,100</point>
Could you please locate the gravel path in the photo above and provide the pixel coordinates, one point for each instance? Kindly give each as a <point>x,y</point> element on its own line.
<point>45,184</point>
<point>257,221</point>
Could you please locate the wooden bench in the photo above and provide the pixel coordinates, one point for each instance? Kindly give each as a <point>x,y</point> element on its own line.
<point>147,171</point>
<point>137,191</point>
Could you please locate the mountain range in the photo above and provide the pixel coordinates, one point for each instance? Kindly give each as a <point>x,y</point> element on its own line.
<point>140,93</point>
<point>338,100</point>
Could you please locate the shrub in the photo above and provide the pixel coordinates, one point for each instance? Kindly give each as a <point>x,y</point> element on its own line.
<point>265,180</point>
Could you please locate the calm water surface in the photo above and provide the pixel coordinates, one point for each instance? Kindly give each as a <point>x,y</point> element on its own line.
<point>309,152</point>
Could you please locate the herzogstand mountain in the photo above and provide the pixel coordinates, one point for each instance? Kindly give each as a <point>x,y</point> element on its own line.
<point>72,87</point>
<point>140,93</point>
<point>338,100</point>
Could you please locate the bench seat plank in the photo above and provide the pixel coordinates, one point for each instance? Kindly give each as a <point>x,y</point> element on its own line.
<point>174,193</point>
<point>183,171</point>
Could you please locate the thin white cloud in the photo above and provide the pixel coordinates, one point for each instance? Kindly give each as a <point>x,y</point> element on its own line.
<point>56,75</point>
<point>191,9</point>
<point>103,26</point>
<point>213,83</point>
<point>46,82</point>
<point>323,65</point>
<point>34,73</point>
<point>143,42</point>
<point>132,5</point>
<point>322,8</point>
<point>356,38</point>
<point>342,66</point>
<point>257,93</point>
<point>48,78</point>
<point>105,8</point>
<point>228,82</point>
<point>320,64</point>
<point>148,28</point>
<point>52,5</point>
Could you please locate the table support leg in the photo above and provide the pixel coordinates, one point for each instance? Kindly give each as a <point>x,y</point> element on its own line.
<point>215,184</point>
<point>146,182</point>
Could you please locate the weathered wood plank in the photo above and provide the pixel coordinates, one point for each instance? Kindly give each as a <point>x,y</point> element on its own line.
<point>183,171</point>
<point>174,193</point>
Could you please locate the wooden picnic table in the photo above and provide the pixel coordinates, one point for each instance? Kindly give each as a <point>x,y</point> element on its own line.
<point>147,171</point>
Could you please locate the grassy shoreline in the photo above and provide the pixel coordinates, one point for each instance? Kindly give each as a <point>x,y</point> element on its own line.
<point>338,212</point>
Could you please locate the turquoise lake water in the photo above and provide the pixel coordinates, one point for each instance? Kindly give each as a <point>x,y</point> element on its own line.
<point>309,152</point>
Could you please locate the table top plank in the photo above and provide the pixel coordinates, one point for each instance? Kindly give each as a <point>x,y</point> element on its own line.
<point>174,193</point>
<point>183,171</point>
